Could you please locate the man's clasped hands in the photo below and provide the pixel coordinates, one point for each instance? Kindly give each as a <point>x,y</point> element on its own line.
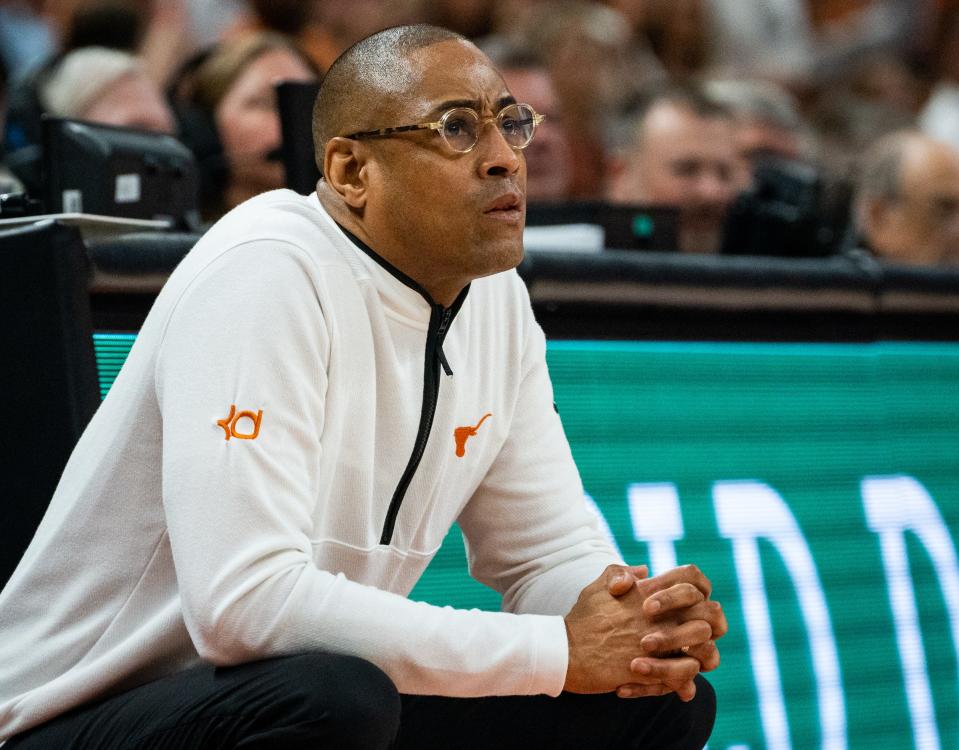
<point>643,636</point>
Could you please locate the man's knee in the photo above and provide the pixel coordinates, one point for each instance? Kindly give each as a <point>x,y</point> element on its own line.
<point>693,720</point>
<point>667,723</point>
<point>703,707</point>
<point>356,703</point>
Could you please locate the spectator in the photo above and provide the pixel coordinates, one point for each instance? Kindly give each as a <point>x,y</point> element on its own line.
<point>767,122</point>
<point>588,50</point>
<point>907,204</point>
<point>677,32</point>
<point>106,86</point>
<point>680,153</point>
<point>800,42</point>
<point>26,36</point>
<point>548,157</point>
<point>232,92</point>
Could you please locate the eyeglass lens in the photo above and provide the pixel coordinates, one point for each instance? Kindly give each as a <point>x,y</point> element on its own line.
<point>515,123</point>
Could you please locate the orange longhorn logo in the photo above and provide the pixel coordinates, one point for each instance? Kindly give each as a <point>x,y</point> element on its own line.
<point>462,434</point>
<point>229,424</point>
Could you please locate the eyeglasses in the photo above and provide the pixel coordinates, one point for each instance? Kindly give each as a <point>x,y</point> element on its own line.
<point>460,127</point>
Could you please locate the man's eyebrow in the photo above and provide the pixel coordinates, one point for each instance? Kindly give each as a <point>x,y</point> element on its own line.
<point>446,106</point>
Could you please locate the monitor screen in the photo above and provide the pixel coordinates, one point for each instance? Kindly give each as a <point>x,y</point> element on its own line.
<point>111,171</point>
<point>624,227</point>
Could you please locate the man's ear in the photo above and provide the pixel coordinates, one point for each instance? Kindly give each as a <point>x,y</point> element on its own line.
<point>344,169</point>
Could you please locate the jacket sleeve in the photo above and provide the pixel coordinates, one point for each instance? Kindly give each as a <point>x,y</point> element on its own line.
<point>529,532</point>
<point>244,353</point>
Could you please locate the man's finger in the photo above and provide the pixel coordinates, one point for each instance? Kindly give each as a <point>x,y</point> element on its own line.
<point>709,610</point>
<point>707,654</point>
<point>636,690</point>
<point>687,691</point>
<point>620,579</point>
<point>680,596</point>
<point>671,638</point>
<point>673,672</point>
<point>684,574</point>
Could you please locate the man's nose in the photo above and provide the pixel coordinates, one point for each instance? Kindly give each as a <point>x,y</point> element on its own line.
<point>712,188</point>
<point>498,158</point>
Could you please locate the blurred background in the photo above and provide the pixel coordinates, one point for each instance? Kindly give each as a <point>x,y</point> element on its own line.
<point>821,126</point>
<point>743,246</point>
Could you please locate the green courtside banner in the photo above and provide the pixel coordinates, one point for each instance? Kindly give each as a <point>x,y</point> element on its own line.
<point>816,484</point>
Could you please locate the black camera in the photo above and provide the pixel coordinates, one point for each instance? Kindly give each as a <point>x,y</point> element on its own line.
<point>789,211</point>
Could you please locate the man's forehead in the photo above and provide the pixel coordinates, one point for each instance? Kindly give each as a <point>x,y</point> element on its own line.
<point>929,164</point>
<point>678,132</point>
<point>452,73</point>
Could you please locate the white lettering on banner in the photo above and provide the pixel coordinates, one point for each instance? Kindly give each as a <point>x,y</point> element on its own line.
<point>654,511</point>
<point>602,523</point>
<point>894,505</point>
<point>745,512</point>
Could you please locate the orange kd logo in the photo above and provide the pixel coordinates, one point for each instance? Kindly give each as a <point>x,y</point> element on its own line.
<point>462,434</point>
<point>229,424</point>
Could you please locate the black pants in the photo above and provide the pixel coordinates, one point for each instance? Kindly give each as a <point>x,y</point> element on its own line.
<point>322,700</point>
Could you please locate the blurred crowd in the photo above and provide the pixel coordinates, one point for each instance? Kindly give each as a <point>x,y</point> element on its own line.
<point>790,127</point>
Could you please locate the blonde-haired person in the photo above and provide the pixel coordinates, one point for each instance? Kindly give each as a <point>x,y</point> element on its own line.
<point>106,86</point>
<point>234,90</point>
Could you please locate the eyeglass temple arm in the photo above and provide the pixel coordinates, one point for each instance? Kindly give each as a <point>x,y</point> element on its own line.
<point>399,129</point>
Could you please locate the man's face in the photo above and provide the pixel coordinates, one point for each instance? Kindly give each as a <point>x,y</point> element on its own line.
<point>452,217</point>
<point>548,157</point>
<point>686,161</point>
<point>248,121</point>
<point>922,225</point>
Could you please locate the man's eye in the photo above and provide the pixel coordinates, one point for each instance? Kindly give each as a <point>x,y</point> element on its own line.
<point>510,125</point>
<point>455,126</point>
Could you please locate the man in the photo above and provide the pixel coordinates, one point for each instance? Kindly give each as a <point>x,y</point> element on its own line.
<point>549,158</point>
<point>907,202</point>
<point>766,121</point>
<point>680,152</point>
<point>226,559</point>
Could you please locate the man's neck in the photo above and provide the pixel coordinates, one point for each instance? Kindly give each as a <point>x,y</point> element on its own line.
<point>442,291</point>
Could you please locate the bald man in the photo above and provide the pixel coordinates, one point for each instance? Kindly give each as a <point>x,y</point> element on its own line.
<point>324,385</point>
<point>907,202</point>
<point>681,153</point>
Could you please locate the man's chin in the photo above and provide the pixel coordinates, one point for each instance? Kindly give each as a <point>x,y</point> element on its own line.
<point>501,256</point>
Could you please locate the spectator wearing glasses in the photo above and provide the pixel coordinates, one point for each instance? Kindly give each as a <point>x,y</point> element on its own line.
<point>326,384</point>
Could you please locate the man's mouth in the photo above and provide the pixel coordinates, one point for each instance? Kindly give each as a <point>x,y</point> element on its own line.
<point>508,206</point>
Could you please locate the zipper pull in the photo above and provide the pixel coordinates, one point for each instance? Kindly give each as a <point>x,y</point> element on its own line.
<point>442,357</point>
<point>440,335</point>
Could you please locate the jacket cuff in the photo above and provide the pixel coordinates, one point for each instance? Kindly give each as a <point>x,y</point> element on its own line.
<point>550,656</point>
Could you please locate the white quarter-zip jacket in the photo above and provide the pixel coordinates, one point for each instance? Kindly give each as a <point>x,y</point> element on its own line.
<point>294,432</point>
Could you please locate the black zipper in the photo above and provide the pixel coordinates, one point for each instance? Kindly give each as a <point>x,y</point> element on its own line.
<point>440,320</point>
